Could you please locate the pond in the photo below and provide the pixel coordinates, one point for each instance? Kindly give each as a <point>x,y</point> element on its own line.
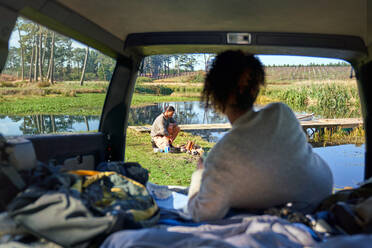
<point>346,161</point>
<point>186,113</point>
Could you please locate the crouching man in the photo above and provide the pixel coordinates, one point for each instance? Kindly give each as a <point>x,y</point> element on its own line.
<point>164,130</point>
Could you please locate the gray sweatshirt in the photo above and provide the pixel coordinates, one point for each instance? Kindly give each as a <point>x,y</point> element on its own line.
<point>160,126</point>
<point>264,161</point>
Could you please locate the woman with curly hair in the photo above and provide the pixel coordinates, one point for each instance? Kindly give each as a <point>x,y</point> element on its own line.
<point>264,160</point>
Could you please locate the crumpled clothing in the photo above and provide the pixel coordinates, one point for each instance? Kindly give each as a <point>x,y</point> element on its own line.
<point>347,241</point>
<point>244,231</point>
<point>130,169</point>
<point>75,207</point>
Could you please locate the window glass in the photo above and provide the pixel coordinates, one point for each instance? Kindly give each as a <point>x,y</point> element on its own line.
<point>317,89</point>
<point>51,83</point>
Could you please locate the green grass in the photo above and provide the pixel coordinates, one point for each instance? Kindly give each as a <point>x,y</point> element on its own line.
<point>165,168</point>
<point>141,100</point>
<point>81,104</point>
<point>143,79</point>
<point>71,98</point>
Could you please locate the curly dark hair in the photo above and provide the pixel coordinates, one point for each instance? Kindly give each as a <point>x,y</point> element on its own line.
<point>225,84</point>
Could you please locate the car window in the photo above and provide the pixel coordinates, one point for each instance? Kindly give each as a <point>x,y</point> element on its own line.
<point>51,83</point>
<point>317,89</point>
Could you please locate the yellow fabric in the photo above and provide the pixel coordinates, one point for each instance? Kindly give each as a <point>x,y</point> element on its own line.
<point>92,179</point>
<point>108,198</point>
<point>95,173</point>
<point>84,172</point>
<point>78,186</point>
<point>140,215</point>
<point>118,191</point>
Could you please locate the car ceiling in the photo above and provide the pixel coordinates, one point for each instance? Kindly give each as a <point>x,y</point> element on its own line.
<point>121,18</point>
<point>116,19</point>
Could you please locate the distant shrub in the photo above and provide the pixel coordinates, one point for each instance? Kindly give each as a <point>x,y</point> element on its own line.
<point>7,84</point>
<point>43,84</point>
<point>20,83</point>
<point>144,79</point>
<point>165,90</point>
<point>197,78</point>
<point>6,77</point>
<point>153,89</point>
<point>70,93</point>
<point>90,76</point>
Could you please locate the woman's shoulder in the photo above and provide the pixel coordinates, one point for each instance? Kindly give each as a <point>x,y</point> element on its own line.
<point>278,106</point>
<point>279,109</point>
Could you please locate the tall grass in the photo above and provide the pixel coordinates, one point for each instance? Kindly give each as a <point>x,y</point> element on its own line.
<point>328,100</point>
<point>153,89</point>
<point>338,136</point>
<point>186,89</point>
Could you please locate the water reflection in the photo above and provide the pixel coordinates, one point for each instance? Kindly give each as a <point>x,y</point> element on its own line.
<point>211,136</point>
<point>186,113</point>
<point>346,162</point>
<point>43,124</point>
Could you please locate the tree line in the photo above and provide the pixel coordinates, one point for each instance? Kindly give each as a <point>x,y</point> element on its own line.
<point>44,55</point>
<point>174,64</point>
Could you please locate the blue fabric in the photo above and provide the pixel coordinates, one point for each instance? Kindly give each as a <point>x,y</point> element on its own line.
<point>175,201</point>
<point>309,230</point>
<point>173,222</point>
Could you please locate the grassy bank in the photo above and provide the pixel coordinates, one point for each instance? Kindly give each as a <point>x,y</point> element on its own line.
<point>81,104</point>
<point>70,98</point>
<point>329,100</point>
<point>165,168</point>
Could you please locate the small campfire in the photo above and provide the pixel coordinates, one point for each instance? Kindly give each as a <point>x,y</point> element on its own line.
<point>192,148</point>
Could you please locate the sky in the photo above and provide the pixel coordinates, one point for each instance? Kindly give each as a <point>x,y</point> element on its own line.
<point>265,59</point>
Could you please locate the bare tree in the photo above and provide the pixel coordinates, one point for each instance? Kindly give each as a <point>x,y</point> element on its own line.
<point>45,46</point>
<point>84,66</point>
<point>32,61</point>
<point>207,58</point>
<point>22,53</point>
<point>53,122</point>
<point>86,123</point>
<point>51,61</point>
<point>36,58</point>
<point>39,55</point>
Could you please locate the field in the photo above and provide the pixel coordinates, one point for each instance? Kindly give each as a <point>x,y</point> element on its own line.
<point>278,75</point>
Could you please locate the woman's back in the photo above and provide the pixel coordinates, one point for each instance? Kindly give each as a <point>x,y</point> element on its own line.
<point>264,161</point>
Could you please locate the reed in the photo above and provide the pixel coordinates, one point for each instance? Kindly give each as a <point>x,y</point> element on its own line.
<point>338,136</point>
<point>327,100</point>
